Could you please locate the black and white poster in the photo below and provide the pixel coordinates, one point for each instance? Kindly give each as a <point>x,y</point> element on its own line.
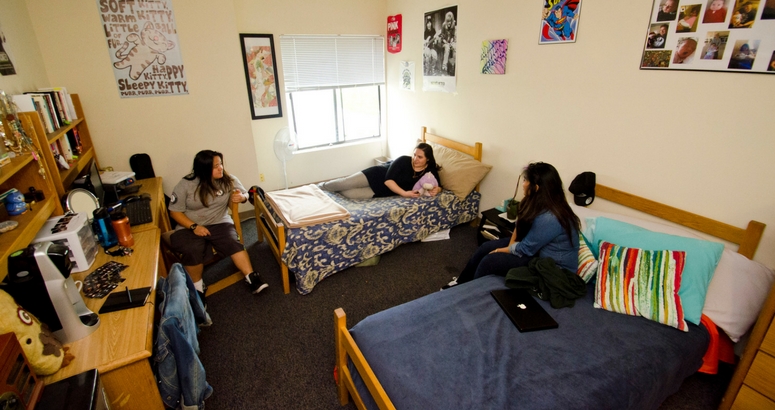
<point>440,50</point>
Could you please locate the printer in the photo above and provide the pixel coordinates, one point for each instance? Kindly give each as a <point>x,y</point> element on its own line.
<point>117,184</point>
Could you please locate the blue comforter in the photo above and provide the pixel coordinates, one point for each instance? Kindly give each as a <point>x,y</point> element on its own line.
<point>456,349</point>
<point>375,226</point>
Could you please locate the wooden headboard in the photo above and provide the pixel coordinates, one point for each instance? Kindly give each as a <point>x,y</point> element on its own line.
<point>472,150</point>
<point>748,238</point>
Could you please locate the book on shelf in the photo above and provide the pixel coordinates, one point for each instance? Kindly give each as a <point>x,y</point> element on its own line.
<point>75,141</point>
<point>67,103</point>
<point>66,150</point>
<point>52,108</point>
<point>57,106</point>
<point>41,107</point>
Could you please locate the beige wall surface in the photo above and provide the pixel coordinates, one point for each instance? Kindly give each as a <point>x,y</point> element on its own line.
<point>700,141</point>
<point>21,44</point>
<point>171,129</point>
<point>278,17</point>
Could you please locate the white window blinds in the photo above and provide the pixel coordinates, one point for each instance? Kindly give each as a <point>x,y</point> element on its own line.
<point>320,62</point>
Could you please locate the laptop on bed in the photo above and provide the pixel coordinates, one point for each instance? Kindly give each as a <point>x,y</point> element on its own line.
<point>526,314</point>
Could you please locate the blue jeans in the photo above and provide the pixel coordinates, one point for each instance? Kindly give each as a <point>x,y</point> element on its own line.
<point>482,263</point>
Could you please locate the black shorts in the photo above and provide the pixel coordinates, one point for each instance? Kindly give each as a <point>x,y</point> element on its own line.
<point>196,250</point>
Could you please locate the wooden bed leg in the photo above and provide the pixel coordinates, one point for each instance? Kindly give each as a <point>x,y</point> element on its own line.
<point>340,322</point>
<point>257,213</point>
<point>286,279</point>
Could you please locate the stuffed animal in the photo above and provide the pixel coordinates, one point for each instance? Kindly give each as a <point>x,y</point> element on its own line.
<point>44,352</point>
<point>425,184</point>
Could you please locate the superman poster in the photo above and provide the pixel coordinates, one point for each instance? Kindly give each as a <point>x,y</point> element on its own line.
<point>560,21</point>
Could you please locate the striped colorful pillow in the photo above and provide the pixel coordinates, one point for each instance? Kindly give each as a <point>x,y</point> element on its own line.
<point>587,261</point>
<point>641,283</point>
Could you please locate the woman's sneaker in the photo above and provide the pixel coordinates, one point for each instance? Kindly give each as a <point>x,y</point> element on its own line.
<point>255,283</point>
<point>451,283</point>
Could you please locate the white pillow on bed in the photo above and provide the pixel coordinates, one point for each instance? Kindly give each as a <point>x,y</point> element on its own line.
<point>739,286</point>
<point>736,293</point>
<point>459,173</point>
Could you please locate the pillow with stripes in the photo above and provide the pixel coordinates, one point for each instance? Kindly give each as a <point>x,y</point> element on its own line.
<point>587,262</point>
<point>641,282</point>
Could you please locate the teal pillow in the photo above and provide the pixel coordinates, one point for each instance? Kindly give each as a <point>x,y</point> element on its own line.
<point>701,258</point>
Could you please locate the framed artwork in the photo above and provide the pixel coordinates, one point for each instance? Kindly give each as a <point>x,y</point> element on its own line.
<point>261,75</point>
<point>711,35</point>
<point>559,21</point>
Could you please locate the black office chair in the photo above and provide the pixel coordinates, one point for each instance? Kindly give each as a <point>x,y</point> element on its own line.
<point>143,168</point>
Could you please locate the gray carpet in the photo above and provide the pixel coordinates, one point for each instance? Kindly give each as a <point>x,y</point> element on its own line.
<point>276,351</point>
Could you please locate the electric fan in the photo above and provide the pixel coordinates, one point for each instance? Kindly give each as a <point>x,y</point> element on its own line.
<point>284,146</point>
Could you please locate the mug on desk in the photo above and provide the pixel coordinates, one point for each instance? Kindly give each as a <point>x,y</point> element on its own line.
<point>512,206</point>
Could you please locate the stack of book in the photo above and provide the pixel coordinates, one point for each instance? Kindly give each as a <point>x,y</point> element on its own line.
<point>53,105</point>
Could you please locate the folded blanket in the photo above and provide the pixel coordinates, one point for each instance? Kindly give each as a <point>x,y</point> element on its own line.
<point>304,206</point>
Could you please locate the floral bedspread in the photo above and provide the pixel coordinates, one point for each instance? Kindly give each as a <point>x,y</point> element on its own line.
<point>375,226</point>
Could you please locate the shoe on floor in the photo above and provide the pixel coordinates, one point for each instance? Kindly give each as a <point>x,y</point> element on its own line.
<point>202,298</point>
<point>255,283</point>
<point>451,283</point>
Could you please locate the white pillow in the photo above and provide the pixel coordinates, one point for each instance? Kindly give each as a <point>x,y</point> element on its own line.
<point>737,293</point>
<point>739,286</point>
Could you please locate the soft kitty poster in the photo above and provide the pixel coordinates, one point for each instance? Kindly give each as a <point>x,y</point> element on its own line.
<point>143,47</point>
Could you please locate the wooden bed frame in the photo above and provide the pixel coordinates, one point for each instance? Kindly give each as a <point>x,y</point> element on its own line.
<point>274,232</point>
<point>747,239</point>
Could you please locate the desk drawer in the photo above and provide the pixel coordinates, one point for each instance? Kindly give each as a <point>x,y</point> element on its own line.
<point>768,344</point>
<point>749,399</point>
<point>761,376</point>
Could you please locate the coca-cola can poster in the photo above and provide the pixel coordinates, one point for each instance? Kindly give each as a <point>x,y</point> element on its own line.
<point>394,34</point>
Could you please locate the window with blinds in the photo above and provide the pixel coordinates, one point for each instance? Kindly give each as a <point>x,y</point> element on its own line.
<point>334,87</point>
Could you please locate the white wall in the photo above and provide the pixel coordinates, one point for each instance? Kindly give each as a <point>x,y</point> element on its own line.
<point>21,44</point>
<point>279,17</point>
<point>171,129</point>
<point>699,141</point>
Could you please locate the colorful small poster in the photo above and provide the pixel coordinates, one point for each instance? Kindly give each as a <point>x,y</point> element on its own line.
<point>394,34</point>
<point>440,50</point>
<point>560,21</point>
<point>143,47</point>
<point>494,56</point>
<point>407,75</point>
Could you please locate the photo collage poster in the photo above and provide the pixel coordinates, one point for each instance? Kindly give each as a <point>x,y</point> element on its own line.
<point>440,50</point>
<point>711,35</point>
<point>143,46</point>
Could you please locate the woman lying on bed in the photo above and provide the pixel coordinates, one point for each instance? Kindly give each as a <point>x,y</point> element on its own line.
<point>397,177</point>
<point>546,227</point>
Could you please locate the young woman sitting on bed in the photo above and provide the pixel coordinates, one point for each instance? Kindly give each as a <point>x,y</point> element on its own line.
<point>546,227</point>
<point>397,177</point>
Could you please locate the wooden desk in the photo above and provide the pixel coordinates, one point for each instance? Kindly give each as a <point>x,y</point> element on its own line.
<point>122,345</point>
<point>161,220</point>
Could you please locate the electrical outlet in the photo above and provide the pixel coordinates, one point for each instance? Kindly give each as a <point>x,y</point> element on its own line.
<point>261,176</point>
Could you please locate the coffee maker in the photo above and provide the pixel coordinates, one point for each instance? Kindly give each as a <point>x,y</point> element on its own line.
<point>39,280</point>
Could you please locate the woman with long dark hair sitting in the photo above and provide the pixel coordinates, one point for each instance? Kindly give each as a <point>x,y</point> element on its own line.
<point>200,204</point>
<point>546,227</point>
